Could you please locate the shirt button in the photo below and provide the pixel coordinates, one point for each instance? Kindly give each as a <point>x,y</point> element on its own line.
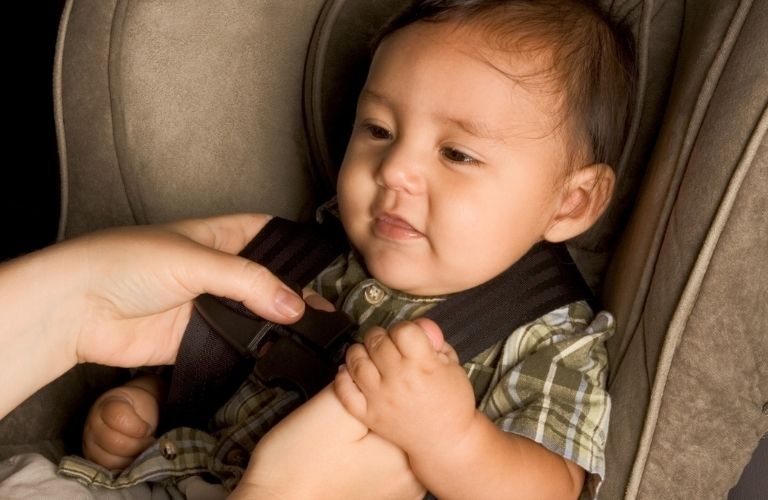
<point>373,294</point>
<point>167,448</point>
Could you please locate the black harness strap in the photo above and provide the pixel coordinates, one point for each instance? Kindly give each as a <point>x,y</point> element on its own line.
<point>207,369</point>
<point>223,337</point>
<point>540,281</point>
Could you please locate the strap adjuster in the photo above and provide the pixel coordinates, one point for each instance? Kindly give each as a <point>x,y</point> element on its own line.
<point>305,355</point>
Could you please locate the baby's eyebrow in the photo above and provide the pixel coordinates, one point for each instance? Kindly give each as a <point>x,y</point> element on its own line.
<point>368,94</point>
<point>473,127</point>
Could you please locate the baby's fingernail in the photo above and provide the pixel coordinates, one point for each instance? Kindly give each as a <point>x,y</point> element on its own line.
<point>288,304</point>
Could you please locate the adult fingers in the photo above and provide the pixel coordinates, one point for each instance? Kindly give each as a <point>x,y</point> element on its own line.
<point>223,274</point>
<point>228,233</point>
<point>240,279</point>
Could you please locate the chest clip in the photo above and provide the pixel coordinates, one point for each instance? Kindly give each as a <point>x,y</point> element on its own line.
<point>303,356</point>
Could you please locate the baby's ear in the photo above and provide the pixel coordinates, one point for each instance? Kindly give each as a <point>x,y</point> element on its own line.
<point>584,198</point>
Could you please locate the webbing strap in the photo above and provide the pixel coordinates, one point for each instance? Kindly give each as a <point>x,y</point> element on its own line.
<point>208,369</point>
<point>542,280</point>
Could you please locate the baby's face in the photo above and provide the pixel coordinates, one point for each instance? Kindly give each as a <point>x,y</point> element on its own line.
<point>452,172</point>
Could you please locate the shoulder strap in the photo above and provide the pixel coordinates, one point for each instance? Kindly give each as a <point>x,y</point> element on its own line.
<point>542,280</point>
<point>208,369</point>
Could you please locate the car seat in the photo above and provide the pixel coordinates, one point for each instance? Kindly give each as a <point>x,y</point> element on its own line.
<point>196,107</point>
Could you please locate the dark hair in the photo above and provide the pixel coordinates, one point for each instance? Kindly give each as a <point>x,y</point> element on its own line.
<point>591,58</point>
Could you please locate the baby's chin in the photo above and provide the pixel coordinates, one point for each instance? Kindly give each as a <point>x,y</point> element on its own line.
<point>412,283</point>
<point>411,272</point>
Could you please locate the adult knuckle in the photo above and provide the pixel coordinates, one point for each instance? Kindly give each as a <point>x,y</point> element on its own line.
<point>259,274</point>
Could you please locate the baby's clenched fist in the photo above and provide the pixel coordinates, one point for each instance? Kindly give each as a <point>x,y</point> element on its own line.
<point>122,423</point>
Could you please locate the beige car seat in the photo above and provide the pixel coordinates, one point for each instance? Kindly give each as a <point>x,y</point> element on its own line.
<point>196,107</point>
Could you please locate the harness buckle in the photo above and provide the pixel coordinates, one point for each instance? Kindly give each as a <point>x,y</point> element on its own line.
<point>303,356</point>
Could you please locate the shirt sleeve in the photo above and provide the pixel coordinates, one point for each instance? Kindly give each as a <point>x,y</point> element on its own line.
<point>547,382</point>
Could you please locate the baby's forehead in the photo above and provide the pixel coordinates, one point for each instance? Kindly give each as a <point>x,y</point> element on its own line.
<point>522,56</point>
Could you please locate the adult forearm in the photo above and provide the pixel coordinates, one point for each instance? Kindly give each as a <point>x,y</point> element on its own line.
<point>123,297</point>
<point>490,463</point>
<point>38,322</point>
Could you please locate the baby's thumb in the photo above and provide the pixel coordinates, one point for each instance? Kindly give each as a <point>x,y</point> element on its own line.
<point>120,414</point>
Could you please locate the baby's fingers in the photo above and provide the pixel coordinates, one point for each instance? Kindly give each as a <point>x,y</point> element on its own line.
<point>349,394</point>
<point>111,448</point>
<point>109,456</point>
<point>99,455</point>
<point>413,341</point>
<point>119,414</point>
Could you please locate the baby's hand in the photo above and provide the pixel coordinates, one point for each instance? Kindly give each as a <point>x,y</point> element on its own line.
<point>121,423</point>
<point>406,385</point>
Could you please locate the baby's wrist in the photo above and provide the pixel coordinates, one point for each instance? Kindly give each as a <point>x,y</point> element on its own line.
<point>451,450</point>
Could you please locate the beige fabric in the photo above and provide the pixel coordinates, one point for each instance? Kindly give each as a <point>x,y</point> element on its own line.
<point>192,107</point>
<point>712,120</point>
<point>706,412</point>
<point>186,108</point>
<point>657,28</point>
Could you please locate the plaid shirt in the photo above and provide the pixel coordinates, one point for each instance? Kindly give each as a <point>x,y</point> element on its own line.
<point>546,382</point>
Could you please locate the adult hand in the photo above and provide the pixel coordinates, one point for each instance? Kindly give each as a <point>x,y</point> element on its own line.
<point>122,297</point>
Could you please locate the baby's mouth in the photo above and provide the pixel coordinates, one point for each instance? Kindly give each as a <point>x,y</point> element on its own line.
<point>394,228</point>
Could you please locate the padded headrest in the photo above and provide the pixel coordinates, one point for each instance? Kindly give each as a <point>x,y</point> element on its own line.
<point>337,65</point>
<point>176,109</point>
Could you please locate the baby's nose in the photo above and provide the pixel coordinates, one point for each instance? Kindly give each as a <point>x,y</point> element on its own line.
<point>402,171</point>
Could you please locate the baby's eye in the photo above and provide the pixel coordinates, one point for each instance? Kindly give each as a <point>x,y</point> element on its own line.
<point>377,132</point>
<point>456,156</point>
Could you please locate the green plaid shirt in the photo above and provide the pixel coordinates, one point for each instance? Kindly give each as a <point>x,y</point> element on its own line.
<point>546,382</point>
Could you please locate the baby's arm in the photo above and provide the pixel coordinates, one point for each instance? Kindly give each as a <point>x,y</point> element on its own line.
<point>421,400</point>
<point>321,452</point>
<point>122,422</point>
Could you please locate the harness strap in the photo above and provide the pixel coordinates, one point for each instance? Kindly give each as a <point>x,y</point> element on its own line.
<point>540,281</point>
<point>208,369</point>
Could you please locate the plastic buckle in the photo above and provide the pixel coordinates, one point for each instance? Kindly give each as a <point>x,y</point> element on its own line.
<point>303,356</point>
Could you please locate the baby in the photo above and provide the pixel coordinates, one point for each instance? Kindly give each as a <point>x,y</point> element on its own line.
<point>484,127</point>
